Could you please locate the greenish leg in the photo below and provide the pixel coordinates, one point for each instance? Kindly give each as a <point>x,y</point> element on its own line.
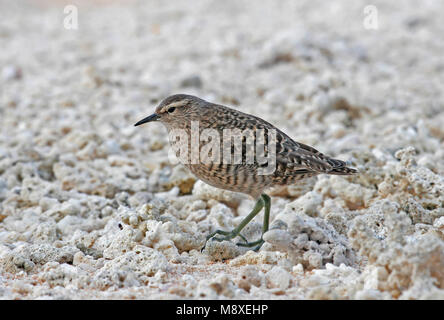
<point>258,243</point>
<point>263,201</point>
<point>236,231</point>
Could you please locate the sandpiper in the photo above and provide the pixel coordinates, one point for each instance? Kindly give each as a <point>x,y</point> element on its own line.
<point>291,160</point>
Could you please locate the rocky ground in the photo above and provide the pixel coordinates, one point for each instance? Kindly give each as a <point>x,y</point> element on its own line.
<point>92,208</point>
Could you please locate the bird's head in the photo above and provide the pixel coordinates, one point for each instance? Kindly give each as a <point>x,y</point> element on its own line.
<point>175,110</point>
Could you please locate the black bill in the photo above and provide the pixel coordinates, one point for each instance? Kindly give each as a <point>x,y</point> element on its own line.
<point>153,117</point>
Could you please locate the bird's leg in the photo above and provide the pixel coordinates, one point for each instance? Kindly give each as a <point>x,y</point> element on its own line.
<point>236,231</point>
<point>258,243</point>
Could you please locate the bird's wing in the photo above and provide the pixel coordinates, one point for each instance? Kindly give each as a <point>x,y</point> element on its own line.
<point>298,158</point>
<point>292,157</point>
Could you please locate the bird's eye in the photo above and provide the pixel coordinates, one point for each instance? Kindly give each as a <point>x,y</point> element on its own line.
<point>170,110</point>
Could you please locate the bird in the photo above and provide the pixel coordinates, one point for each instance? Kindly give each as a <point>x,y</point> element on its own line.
<point>186,116</point>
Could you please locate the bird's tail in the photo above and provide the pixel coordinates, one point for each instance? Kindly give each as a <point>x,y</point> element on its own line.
<point>340,168</point>
<point>343,171</point>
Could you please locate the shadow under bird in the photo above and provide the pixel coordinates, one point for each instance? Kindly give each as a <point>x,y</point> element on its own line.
<point>293,160</point>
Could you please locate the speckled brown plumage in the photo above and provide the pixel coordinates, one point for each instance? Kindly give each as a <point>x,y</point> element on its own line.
<point>294,160</point>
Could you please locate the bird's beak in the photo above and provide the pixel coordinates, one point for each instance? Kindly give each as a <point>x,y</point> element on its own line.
<point>153,117</point>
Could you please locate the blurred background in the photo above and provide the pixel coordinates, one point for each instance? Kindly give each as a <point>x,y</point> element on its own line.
<point>354,71</point>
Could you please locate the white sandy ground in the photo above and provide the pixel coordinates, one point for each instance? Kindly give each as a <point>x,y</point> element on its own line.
<point>91,207</point>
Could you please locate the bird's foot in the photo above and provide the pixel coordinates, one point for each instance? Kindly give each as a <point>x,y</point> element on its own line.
<point>256,244</point>
<point>227,236</point>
